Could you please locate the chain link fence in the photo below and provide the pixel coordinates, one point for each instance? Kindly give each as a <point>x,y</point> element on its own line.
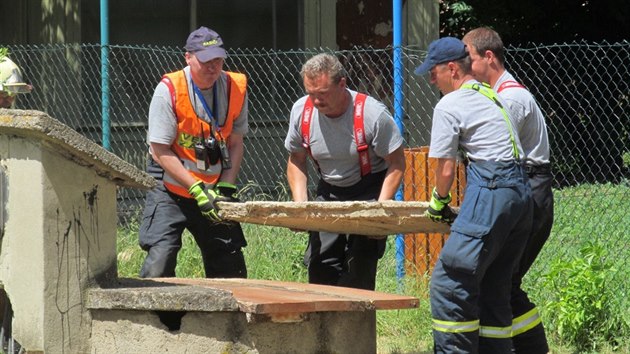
<point>583,88</point>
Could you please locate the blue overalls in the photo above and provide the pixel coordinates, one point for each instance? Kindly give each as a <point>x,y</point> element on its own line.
<point>471,282</point>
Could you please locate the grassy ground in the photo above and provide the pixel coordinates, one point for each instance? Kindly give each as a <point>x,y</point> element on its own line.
<point>276,254</point>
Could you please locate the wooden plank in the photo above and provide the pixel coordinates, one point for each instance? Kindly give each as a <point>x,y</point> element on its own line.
<point>422,256</point>
<point>422,249</point>
<point>410,253</point>
<point>358,217</point>
<point>434,248</point>
<point>409,177</point>
<point>272,297</point>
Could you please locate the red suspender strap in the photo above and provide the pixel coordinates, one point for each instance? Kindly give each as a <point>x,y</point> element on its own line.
<point>359,134</point>
<point>359,131</point>
<point>307,115</point>
<point>166,81</point>
<point>509,84</point>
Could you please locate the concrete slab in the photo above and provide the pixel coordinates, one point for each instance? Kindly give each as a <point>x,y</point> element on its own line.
<point>252,296</point>
<point>359,217</point>
<point>39,126</point>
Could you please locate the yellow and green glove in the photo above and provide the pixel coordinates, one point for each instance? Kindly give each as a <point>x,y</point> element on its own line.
<point>438,210</point>
<point>205,200</point>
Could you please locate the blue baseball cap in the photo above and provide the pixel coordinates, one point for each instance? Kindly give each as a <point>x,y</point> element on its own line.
<point>205,44</point>
<point>440,51</point>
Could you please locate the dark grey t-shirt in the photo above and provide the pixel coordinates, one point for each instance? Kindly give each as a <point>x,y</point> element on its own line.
<point>333,144</point>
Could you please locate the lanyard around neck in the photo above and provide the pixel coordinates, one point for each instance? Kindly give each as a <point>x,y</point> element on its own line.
<point>486,91</point>
<point>214,120</point>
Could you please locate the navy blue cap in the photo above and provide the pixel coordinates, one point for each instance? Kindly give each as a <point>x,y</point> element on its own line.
<point>440,51</point>
<point>205,44</point>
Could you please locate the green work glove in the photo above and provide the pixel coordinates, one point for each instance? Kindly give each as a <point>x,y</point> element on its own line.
<point>227,192</point>
<point>438,210</point>
<point>205,200</point>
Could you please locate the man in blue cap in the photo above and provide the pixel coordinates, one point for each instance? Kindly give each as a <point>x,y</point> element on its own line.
<point>471,281</point>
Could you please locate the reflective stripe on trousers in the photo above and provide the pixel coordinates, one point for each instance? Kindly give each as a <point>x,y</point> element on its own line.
<point>519,325</point>
<point>455,327</point>
<point>525,322</point>
<point>495,332</point>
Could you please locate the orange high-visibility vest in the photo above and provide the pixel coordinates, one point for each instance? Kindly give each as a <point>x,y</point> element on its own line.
<point>190,127</point>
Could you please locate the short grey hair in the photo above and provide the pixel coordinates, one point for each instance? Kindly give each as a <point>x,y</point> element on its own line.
<point>324,63</point>
<point>465,64</point>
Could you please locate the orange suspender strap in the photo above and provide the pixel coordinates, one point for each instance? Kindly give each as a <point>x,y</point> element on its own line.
<point>509,84</point>
<point>359,134</point>
<point>359,131</point>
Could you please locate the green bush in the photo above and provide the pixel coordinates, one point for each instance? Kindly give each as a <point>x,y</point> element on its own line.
<point>581,310</point>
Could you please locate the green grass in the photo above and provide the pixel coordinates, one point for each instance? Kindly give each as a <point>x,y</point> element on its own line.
<point>583,214</point>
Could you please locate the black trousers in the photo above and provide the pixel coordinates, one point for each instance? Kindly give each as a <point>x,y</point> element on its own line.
<point>533,340</point>
<point>345,259</point>
<point>165,217</point>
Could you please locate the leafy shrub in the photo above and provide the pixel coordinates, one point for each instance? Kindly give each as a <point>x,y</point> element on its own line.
<point>582,307</point>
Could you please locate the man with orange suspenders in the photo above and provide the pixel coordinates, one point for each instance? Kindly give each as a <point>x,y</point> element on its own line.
<point>358,150</point>
<point>197,120</point>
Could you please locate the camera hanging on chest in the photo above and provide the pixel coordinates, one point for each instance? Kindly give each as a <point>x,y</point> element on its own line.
<point>212,149</point>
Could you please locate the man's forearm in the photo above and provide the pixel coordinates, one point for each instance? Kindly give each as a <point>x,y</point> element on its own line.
<point>390,185</point>
<point>297,178</point>
<point>173,166</point>
<point>394,175</point>
<point>444,176</point>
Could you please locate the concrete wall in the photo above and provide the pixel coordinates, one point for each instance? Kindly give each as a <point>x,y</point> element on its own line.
<point>320,18</point>
<point>422,20</point>
<point>60,234</point>
<point>59,230</point>
<point>233,332</point>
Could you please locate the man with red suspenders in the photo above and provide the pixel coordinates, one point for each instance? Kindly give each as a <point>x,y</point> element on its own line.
<point>358,150</point>
<point>197,120</point>
<point>487,55</point>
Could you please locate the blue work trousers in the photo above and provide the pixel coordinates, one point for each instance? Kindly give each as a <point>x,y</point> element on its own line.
<point>471,282</point>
